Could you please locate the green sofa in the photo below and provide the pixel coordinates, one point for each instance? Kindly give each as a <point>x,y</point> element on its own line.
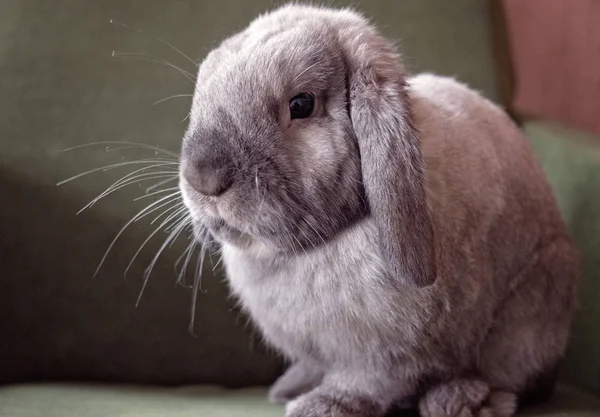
<point>71,345</point>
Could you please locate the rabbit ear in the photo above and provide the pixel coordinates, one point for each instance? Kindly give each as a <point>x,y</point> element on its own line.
<point>392,166</point>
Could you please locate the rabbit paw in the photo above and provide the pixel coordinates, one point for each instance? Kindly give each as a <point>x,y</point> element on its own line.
<point>298,379</point>
<point>467,398</point>
<point>324,403</point>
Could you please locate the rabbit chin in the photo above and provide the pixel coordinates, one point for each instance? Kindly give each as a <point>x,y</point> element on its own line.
<point>225,234</point>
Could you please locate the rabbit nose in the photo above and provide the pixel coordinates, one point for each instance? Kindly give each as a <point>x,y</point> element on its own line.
<point>208,177</point>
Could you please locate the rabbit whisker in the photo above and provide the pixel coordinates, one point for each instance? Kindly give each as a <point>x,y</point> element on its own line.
<point>217,264</point>
<point>180,258</point>
<point>197,283</point>
<point>178,210</point>
<point>142,213</point>
<point>161,183</point>
<point>182,222</point>
<point>161,40</point>
<point>210,254</point>
<point>129,144</point>
<point>162,190</point>
<point>130,181</point>
<point>124,182</point>
<point>151,58</point>
<point>217,252</point>
<point>188,252</point>
<point>162,100</point>
<point>187,223</point>
<point>113,166</point>
<point>167,210</point>
<point>125,147</point>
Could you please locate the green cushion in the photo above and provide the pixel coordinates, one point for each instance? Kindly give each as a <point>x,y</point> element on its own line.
<point>103,400</point>
<point>132,401</point>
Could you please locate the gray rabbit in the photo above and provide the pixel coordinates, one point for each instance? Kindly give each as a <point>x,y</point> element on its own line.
<point>392,236</point>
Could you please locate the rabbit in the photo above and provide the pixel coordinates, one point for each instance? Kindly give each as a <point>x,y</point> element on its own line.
<point>392,236</point>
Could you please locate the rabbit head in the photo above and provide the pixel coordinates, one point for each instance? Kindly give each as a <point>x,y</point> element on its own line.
<point>301,126</point>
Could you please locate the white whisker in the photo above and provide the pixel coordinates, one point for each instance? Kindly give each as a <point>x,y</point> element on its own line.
<point>158,229</point>
<point>164,42</point>
<point>162,100</point>
<point>161,183</point>
<point>181,223</point>
<point>192,243</point>
<point>163,190</point>
<point>196,287</point>
<point>175,206</point>
<point>217,264</point>
<point>112,166</point>
<point>187,222</point>
<point>132,144</point>
<point>156,60</point>
<point>142,213</point>
<point>188,255</point>
<point>125,147</point>
<point>107,192</point>
<point>124,182</point>
<point>211,260</point>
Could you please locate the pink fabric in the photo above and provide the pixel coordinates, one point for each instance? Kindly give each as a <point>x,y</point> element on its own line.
<point>556,55</point>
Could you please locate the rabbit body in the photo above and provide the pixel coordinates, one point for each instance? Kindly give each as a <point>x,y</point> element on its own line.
<point>483,333</point>
<point>501,308</point>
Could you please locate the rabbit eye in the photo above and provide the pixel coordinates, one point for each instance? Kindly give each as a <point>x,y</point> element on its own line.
<point>302,106</point>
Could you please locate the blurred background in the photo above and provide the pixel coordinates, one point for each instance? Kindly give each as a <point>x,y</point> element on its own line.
<point>69,77</point>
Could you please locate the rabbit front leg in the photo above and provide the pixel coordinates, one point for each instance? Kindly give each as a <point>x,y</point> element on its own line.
<point>300,378</point>
<point>345,394</point>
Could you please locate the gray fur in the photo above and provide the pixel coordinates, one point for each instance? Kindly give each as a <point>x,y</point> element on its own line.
<point>401,243</point>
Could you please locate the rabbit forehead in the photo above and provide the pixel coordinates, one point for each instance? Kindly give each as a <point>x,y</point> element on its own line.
<point>274,62</point>
<point>269,62</point>
<point>252,75</point>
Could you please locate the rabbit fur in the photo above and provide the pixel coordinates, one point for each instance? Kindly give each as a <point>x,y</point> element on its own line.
<point>400,247</point>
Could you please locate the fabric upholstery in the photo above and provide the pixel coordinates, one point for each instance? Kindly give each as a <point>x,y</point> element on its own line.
<point>53,400</point>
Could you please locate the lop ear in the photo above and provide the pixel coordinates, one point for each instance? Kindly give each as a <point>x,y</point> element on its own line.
<point>392,166</point>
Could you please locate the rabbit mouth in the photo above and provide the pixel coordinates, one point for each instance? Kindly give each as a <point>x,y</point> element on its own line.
<point>222,232</point>
<point>227,224</point>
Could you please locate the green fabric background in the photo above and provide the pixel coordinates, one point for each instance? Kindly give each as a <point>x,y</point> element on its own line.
<point>59,87</point>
